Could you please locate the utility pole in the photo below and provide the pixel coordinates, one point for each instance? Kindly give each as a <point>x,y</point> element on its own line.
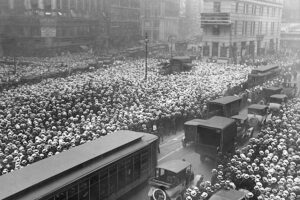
<point>146,55</point>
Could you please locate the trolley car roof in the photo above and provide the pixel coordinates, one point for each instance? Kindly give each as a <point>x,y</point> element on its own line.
<point>226,100</point>
<point>52,168</point>
<point>175,166</point>
<point>265,68</point>
<point>228,195</point>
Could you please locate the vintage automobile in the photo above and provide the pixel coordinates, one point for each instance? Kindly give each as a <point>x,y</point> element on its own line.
<point>176,64</point>
<point>267,92</point>
<point>244,131</point>
<point>215,135</point>
<point>190,131</point>
<point>276,101</point>
<point>290,89</point>
<point>171,180</point>
<point>257,115</point>
<point>229,195</point>
<point>225,106</point>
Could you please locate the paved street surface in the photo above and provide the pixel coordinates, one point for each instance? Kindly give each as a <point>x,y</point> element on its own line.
<point>172,149</point>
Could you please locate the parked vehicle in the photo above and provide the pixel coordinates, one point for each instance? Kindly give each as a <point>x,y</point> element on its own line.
<point>171,180</point>
<point>276,101</point>
<point>290,89</point>
<point>177,64</point>
<point>244,131</point>
<point>267,92</point>
<point>190,131</point>
<point>225,106</point>
<point>257,115</point>
<point>215,135</point>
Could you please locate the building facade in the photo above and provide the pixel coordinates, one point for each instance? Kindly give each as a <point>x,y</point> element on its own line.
<point>35,26</point>
<point>290,32</point>
<point>236,30</point>
<point>160,19</point>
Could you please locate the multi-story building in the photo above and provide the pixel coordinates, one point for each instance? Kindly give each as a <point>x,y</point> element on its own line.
<point>31,26</point>
<point>124,26</point>
<point>35,26</point>
<point>160,19</point>
<point>290,32</point>
<point>240,29</point>
<point>190,26</point>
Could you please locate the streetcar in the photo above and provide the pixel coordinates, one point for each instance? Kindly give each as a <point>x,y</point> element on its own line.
<point>262,74</point>
<point>276,101</point>
<point>103,169</point>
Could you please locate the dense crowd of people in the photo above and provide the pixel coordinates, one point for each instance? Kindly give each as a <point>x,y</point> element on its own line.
<point>267,168</point>
<point>44,119</point>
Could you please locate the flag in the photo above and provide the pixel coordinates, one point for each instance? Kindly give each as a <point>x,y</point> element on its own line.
<point>11,4</point>
<point>41,4</point>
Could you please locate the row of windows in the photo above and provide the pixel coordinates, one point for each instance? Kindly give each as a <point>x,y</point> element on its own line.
<point>256,27</point>
<point>36,31</point>
<point>247,8</point>
<point>50,4</point>
<point>109,180</point>
<point>126,3</point>
<point>119,14</point>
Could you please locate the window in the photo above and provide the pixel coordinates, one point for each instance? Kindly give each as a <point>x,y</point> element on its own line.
<point>206,50</point>
<point>254,9</point>
<point>113,179</point>
<point>217,6</point>
<point>215,52</point>
<point>94,187</point>
<point>73,193</point>
<point>268,11</point>
<point>121,174</point>
<point>61,196</point>
<point>235,27</point>
<point>84,190</point>
<point>267,26</point>
<point>103,183</point>
<point>216,30</point>
<point>223,52</point>
<point>237,7</point>
<point>246,28</point>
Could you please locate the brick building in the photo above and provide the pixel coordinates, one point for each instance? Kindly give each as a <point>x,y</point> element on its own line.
<point>236,30</point>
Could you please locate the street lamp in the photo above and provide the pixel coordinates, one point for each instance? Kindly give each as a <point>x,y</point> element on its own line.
<point>146,55</point>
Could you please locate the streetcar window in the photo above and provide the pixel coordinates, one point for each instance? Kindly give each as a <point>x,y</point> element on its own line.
<point>84,190</point>
<point>103,184</point>
<point>94,187</point>
<point>121,175</point>
<point>113,179</point>
<point>73,193</point>
<point>61,196</point>
<point>137,166</point>
<point>129,170</point>
<point>144,161</point>
<point>51,198</point>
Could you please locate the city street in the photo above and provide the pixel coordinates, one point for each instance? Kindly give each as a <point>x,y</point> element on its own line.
<point>172,149</point>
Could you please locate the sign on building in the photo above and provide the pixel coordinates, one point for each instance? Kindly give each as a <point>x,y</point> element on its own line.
<point>48,27</point>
